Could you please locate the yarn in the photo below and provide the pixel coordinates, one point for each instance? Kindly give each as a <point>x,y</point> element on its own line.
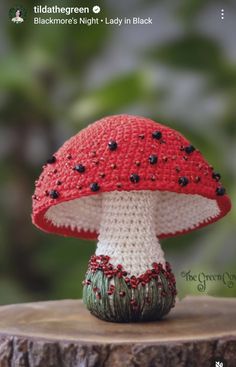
<point>127,153</point>
<point>128,181</point>
<point>113,296</point>
<point>172,212</point>
<point>127,230</point>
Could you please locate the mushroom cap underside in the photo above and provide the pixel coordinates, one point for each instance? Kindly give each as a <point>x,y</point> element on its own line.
<point>126,153</point>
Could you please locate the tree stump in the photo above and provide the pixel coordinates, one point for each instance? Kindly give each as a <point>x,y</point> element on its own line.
<point>65,334</point>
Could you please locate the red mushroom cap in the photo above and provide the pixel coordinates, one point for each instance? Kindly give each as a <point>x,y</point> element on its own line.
<point>127,153</point>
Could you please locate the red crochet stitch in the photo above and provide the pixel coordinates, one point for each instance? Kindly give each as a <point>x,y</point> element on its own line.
<point>124,153</point>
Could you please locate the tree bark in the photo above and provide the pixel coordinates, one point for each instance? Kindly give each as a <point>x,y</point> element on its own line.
<point>64,334</point>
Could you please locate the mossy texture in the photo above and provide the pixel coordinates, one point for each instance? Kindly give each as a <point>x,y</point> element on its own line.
<point>112,296</point>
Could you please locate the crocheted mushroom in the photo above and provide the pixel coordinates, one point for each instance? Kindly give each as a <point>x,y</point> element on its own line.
<point>128,181</point>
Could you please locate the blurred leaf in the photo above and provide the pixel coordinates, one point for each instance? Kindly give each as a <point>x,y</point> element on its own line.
<point>65,261</point>
<point>224,78</point>
<point>188,10</point>
<point>11,292</point>
<point>190,52</point>
<point>70,284</point>
<point>111,97</point>
<point>57,254</point>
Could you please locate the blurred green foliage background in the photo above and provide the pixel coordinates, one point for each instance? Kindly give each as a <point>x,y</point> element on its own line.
<point>56,79</point>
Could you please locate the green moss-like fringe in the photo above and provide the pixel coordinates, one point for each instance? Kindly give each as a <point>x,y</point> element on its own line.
<point>111,295</point>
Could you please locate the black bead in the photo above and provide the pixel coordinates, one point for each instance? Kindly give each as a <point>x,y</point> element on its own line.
<point>220,191</point>
<point>112,145</point>
<point>157,135</point>
<point>153,159</point>
<point>183,181</point>
<point>54,194</point>
<point>94,186</point>
<point>189,149</point>
<point>216,176</point>
<point>51,160</point>
<point>134,178</point>
<point>79,168</point>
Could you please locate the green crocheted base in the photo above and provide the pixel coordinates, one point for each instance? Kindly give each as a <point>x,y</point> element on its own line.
<point>114,297</point>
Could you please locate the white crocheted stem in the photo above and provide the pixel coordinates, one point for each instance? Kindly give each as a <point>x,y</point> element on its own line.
<point>128,231</point>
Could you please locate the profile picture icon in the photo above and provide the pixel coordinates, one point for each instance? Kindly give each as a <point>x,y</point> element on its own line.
<point>17,15</point>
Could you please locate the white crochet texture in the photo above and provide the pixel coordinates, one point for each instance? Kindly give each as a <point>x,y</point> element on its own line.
<point>173,212</point>
<point>129,221</point>
<point>127,231</point>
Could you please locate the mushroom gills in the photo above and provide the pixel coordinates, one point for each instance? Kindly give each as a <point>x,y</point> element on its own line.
<point>174,212</point>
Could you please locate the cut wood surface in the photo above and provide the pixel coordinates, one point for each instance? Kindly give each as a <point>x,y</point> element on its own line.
<point>65,334</point>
